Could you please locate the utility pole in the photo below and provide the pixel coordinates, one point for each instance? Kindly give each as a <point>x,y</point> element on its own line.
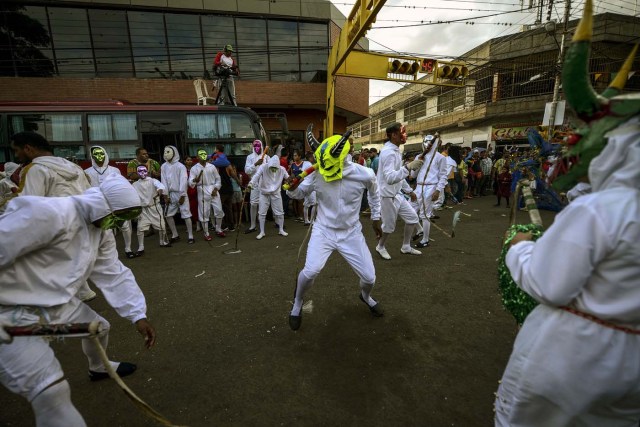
<point>556,86</point>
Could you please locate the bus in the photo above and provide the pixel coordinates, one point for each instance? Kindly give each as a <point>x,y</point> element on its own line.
<point>73,126</point>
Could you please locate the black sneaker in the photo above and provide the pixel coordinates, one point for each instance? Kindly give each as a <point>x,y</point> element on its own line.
<point>191,241</point>
<point>417,236</point>
<point>124,369</point>
<point>250,230</point>
<point>422,245</point>
<point>130,254</point>
<point>174,239</point>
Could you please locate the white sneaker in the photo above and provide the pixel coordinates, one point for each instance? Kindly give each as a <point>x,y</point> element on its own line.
<point>410,251</point>
<point>383,253</point>
<point>283,233</point>
<point>260,236</point>
<point>88,296</point>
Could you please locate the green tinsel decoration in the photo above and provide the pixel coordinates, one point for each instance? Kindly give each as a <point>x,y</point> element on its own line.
<point>515,300</point>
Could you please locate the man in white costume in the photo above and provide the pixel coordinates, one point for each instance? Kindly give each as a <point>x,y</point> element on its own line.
<point>391,182</point>
<point>173,175</point>
<point>100,168</point>
<point>98,171</point>
<point>150,190</point>
<point>251,166</point>
<point>49,247</point>
<point>339,185</point>
<point>206,179</point>
<point>431,179</point>
<point>269,180</point>
<point>576,360</point>
<point>45,175</point>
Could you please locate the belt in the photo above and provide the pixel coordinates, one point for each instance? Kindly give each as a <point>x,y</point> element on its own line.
<point>602,322</point>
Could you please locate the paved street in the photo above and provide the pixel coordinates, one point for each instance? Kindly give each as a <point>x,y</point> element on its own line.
<point>226,356</point>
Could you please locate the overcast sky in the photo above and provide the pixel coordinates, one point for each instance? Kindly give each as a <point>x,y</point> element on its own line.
<point>413,28</point>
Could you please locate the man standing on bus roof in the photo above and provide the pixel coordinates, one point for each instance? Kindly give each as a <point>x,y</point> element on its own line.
<point>174,177</point>
<point>44,174</point>
<point>225,66</point>
<point>142,159</point>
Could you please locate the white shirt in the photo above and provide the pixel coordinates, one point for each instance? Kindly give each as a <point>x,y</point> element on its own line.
<point>209,180</point>
<point>391,175</point>
<point>96,176</point>
<point>437,174</point>
<point>49,248</point>
<point>174,176</point>
<point>339,201</point>
<point>269,182</point>
<point>52,176</point>
<point>250,167</point>
<point>148,189</point>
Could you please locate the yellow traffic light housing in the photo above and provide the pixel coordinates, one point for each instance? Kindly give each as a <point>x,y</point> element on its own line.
<point>398,66</point>
<point>452,70</point>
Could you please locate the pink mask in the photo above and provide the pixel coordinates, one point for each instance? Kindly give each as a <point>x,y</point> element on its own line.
<point>142,172</point>
<point>257,146</point>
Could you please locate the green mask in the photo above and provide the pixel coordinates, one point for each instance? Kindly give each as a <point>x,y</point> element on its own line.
<point>114,220</point>
<point>202,155</point>
<point>273,170</point>
<point>98,154</point>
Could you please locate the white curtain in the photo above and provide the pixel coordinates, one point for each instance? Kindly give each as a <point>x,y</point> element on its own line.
<point>99,127</point>
<point>66,128</point>
<point>124,127</point>
<point>201,126</point>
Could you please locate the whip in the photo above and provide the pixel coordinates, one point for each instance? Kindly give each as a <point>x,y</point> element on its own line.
<point>235,249</point>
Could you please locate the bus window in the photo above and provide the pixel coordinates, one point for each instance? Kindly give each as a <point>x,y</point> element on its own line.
<point>201,126</point>
<point>235,126</point>
<point>112,127</point>
<point>64,128</point>
<point>27,122</point>
<point>70,152</point>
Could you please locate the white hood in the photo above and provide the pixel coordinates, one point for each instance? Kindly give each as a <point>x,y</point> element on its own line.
<point>61,167</point>
<point>105,164</point>
<point>618,165</point>
<point>176,155</point>
<point>115,193</point>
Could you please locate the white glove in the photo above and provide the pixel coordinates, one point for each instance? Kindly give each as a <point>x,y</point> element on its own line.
<point>5,338</point>
<point>415,165</point>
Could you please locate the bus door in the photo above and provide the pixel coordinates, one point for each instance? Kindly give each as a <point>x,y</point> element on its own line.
<point>159,129</point>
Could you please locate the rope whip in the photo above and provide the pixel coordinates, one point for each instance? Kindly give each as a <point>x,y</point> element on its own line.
<point>92,331</point>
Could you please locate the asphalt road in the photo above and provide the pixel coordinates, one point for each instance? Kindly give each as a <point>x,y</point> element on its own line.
<point>226,357</point>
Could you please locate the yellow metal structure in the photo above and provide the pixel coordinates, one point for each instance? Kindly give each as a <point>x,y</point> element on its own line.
<point>344,61</point>
<point>359,21</point>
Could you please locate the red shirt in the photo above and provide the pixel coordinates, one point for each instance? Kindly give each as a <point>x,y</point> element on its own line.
<point>284,162</point>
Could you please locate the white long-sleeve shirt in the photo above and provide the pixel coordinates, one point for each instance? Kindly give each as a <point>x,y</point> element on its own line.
<point>391,175</point>
<point>250,167</point>
<point>437,173</point>
<point>49,248</point>
<point>269,182</point>
<point>52,176</point>
<point>339,201</point>
<point>209,180</point>
<point>174,176</point>
<point>148,189</point>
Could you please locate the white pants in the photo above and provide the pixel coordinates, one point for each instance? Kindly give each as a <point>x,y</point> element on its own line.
<point>151,216</point>
<point>349,243</point>
<point>254,198</point>
<point>424,202</point>
<point>566,370</point>
<point>205,203</point>
<point>391,208</point>
<point>273,200</point>
<point>28,365</point>
<point>174,205</point>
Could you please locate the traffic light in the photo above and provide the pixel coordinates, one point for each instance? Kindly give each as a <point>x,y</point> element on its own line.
<point>408,67</point>
<point>452,70</point>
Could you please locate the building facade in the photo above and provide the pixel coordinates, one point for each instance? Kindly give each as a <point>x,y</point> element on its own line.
<point>510,83</point>
<point>150,51</point>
